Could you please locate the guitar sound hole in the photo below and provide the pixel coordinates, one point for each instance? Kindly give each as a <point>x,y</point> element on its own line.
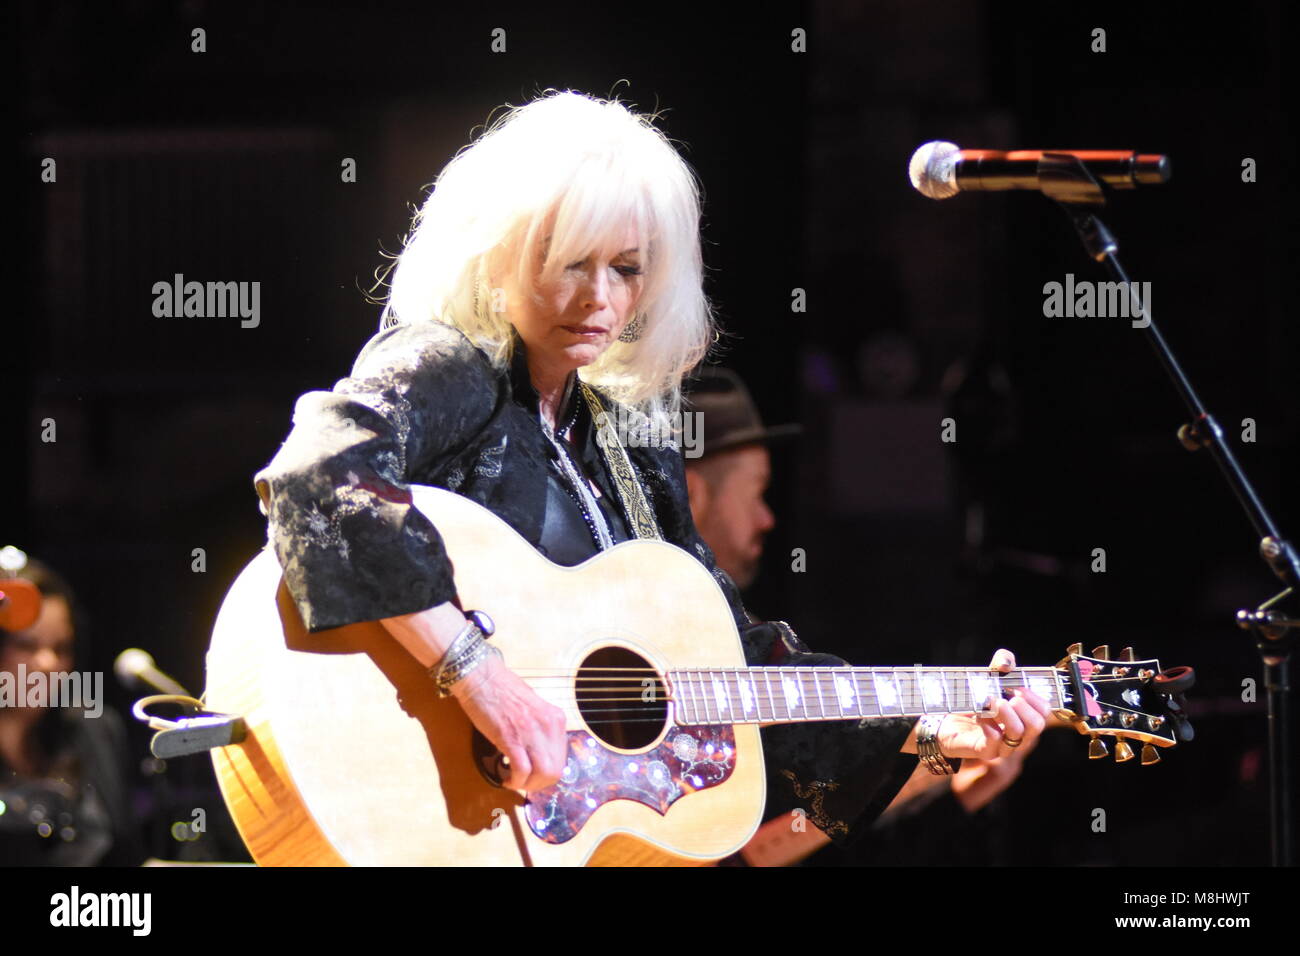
<point>622,698</point>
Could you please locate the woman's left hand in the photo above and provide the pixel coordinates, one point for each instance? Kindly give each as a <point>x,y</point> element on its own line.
<point>985,737</point>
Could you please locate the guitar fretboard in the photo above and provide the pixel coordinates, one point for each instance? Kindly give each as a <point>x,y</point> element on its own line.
<point>760,695</point>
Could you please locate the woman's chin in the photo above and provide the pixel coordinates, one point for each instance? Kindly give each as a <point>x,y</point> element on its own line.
<point>584,353</point>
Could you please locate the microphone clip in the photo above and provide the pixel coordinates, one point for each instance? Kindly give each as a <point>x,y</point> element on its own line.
<point>1064,178</point>
<point>188,735</point>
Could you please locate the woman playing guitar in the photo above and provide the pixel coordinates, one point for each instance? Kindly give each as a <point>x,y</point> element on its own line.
<point>551,284</point>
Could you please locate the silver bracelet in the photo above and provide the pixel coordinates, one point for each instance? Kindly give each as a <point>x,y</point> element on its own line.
<point>467,651</point>
<point>464,641</point>
<point>464,665</point>
<point>927,745</point>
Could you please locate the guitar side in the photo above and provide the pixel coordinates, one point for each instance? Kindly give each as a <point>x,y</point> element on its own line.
<point>351,758</point>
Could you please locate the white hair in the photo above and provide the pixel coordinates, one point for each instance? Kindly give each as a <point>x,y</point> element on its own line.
<point>597,167</point>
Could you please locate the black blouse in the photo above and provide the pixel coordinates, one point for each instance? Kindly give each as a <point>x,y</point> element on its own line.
<point>423,405</point>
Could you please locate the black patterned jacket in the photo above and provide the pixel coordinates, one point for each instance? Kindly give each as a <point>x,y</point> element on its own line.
<point>423,405</point>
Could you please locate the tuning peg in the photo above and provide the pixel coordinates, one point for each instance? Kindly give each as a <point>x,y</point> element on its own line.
<point>1149,755</point>
<point>1101,651</point>
<point>1074,649</point>
<point>1123,752</point>
<point>1096,748</point>
<point>1127,654</point>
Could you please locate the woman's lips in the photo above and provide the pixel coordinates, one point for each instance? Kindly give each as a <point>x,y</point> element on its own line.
<point>585,331</point>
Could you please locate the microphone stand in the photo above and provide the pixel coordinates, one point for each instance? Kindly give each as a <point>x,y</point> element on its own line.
<point>1066,180</point>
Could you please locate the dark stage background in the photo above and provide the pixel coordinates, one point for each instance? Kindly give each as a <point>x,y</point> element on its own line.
<point>225,165</point>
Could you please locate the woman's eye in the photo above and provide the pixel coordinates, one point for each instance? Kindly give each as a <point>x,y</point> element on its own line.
<point>627,271</point>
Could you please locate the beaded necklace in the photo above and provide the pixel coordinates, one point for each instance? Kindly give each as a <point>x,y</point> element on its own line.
<point>585,500</point>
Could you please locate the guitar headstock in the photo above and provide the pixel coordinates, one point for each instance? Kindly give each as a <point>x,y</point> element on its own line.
<point>1126,699</point>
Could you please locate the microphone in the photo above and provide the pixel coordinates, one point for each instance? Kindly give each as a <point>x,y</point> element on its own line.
<point>134,666</point>
<point>939,170</point>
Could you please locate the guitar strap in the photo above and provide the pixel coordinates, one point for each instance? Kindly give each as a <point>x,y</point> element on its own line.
<point>639,515</point>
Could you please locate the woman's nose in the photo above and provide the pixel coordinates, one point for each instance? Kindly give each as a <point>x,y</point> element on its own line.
<point>597,288</point>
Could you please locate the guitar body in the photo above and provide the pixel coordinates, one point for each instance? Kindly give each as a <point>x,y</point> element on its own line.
<point>351,758</point>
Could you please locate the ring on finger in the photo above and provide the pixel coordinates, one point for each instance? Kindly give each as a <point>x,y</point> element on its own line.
<point>1013,742</point>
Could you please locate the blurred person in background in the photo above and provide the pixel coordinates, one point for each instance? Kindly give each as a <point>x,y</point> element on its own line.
<point>64,793</point>
<point>933,819</point>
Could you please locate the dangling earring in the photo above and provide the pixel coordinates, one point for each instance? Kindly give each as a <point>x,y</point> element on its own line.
<point>478,300</point>
<point>632,331</point>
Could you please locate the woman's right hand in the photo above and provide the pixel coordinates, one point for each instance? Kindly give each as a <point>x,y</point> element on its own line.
<point>527,730</point>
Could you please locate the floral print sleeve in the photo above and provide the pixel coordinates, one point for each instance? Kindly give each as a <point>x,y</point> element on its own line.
<point>337,493</point>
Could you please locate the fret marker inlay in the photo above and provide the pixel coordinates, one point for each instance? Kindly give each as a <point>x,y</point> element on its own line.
<point>746,694</point>
<point>886,692</point>
<point>845,692</point>
<point>791,689</point>
<point>932,687</point>
<point>981,689</point>
<point>1041,686</point>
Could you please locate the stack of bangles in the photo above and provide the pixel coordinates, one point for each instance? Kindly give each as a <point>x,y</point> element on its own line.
<point>467,651</point>
<point>927,745</point>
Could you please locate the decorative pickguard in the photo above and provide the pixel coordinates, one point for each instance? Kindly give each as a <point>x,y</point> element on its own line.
<point>689,759</point>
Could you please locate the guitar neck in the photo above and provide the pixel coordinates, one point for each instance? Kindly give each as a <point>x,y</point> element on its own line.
<point>766,695</point>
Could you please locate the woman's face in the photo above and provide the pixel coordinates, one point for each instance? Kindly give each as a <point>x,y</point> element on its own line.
<point>45,647</point>
<point>573,319</point>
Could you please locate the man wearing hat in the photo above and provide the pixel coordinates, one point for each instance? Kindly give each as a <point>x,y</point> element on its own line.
<point>727,478</point>
<point>728,467</point>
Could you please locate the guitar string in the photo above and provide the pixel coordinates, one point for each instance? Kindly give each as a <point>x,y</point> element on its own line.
<point>663,694</point>
<point>660,717</point>
<point>621,693</point>
<point>773,705</point>
<point>884,671</point>
<point>732,673</point>
<point>806,687</point>
<point>682,720</point>
<point>651,707</point>
<point>729,675</point>
<point>906,671</point>
<point>531,674</point>
<point>768,704</point>
<point>606,684</point>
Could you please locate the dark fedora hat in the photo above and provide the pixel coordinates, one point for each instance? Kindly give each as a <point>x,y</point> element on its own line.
<point>728,416</point>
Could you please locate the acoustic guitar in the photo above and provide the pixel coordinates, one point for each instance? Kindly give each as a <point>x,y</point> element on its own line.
<point>350,757</point>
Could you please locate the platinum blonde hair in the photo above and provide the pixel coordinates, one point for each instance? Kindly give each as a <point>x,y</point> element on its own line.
<point>596,167</point>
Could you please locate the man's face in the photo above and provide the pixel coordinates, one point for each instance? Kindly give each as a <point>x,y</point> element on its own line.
<point>732,516</point>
